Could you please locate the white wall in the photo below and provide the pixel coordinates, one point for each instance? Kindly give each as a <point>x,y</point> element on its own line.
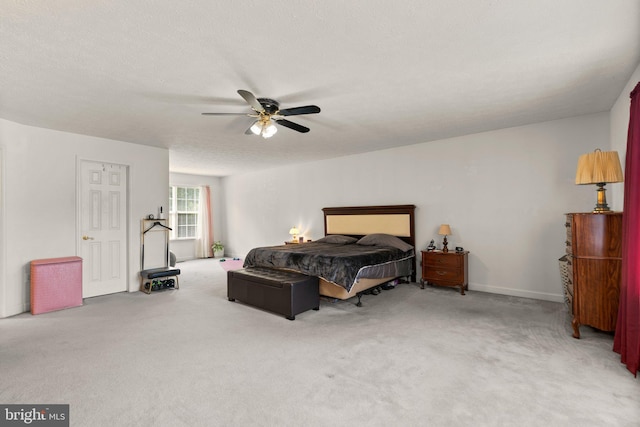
<point>619,118</point>
<point>186,249</point>
<point>504,193</point>
<point>3,251</point>
<point>39,209</point>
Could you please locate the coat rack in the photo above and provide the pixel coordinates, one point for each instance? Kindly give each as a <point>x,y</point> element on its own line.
<point>155,272</point>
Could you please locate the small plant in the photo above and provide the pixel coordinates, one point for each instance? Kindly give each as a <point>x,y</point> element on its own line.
<point>218,249</point>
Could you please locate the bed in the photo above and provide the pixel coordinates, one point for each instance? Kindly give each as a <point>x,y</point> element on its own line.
<point>363,247</point>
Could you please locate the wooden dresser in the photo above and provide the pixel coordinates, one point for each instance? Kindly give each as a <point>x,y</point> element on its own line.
<point>445,269</point>
<point>594,248</point>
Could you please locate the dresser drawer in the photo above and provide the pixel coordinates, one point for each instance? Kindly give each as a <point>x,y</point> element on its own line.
<point>568,248</point>
<point>567,224</point>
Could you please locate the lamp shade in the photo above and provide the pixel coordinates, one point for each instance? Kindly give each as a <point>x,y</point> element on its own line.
<point>445,230</point>
<point>599,167</point>
<point>268,130</point>
<point>256,128</point>
<point>264,127</point>
<point>294,231</point>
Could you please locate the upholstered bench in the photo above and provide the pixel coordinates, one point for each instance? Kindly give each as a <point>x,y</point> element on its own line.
<point>283,292</point>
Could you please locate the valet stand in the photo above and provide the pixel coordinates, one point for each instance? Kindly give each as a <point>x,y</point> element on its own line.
<point>156,254</point>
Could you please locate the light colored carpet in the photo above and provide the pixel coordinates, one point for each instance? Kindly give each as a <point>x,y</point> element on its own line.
<point>408,357</point>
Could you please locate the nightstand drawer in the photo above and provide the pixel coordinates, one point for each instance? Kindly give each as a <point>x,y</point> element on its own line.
<point>441,260</point>
<point>444,275</point>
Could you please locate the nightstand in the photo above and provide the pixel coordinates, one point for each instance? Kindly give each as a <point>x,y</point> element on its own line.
<point>445,269</point>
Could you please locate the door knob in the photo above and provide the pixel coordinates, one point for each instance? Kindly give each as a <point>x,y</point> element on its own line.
<point>87,238</point>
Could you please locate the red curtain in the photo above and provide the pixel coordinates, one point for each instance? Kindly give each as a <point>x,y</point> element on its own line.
<point>627,337</point>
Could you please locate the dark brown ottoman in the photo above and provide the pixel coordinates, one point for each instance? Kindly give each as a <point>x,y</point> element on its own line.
<point>283,292</point>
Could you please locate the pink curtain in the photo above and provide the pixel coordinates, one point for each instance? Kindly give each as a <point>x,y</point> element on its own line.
<point>627,337</point>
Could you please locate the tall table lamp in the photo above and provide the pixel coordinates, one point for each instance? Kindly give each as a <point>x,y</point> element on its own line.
<point>445,231</point>
<point>599,168</point>
<point>294,232</point>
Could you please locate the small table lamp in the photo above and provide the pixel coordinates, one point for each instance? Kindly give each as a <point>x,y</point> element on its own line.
<point>599,167</point>
<point>294,232</point>
<point>445,231</point>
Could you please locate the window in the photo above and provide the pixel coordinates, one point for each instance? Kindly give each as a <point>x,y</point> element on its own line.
<point>184,208</point>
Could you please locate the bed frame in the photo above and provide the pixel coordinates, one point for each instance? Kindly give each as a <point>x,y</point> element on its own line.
<point>358,221</point>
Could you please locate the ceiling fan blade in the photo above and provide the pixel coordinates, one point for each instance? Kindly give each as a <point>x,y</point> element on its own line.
<point>291,125</point>
<point>251,100</point>
<point>224,114</point>
<point>307,109</point>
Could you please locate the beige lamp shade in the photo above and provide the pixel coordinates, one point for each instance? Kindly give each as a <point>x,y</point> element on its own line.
<point>599,167</point>
<point>445,230</point>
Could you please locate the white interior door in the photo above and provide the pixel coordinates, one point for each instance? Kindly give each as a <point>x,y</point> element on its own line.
<point>103,228</point>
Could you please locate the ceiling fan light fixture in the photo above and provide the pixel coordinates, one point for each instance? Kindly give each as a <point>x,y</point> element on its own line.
<point>269,130</point>
<point>256,128</point>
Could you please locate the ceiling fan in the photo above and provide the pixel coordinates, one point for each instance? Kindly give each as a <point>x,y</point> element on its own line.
<point>267,112</point>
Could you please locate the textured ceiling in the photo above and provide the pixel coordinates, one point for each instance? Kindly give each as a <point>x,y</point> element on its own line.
<point>384,73</point>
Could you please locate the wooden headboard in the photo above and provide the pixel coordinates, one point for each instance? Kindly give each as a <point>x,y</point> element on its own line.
<point>358,221</point>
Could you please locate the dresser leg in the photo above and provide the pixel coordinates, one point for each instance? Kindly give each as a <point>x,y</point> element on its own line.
<point>576,326</point>
<point>461,289</point>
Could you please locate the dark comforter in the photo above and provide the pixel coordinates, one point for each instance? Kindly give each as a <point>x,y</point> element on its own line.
<point>340,264</point>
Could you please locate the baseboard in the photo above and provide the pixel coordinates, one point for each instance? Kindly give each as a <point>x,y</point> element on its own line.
<point>15,310</point>
<point>517,293</point>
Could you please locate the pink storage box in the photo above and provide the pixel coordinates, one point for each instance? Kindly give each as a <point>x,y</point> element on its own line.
<point>56,284</point>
